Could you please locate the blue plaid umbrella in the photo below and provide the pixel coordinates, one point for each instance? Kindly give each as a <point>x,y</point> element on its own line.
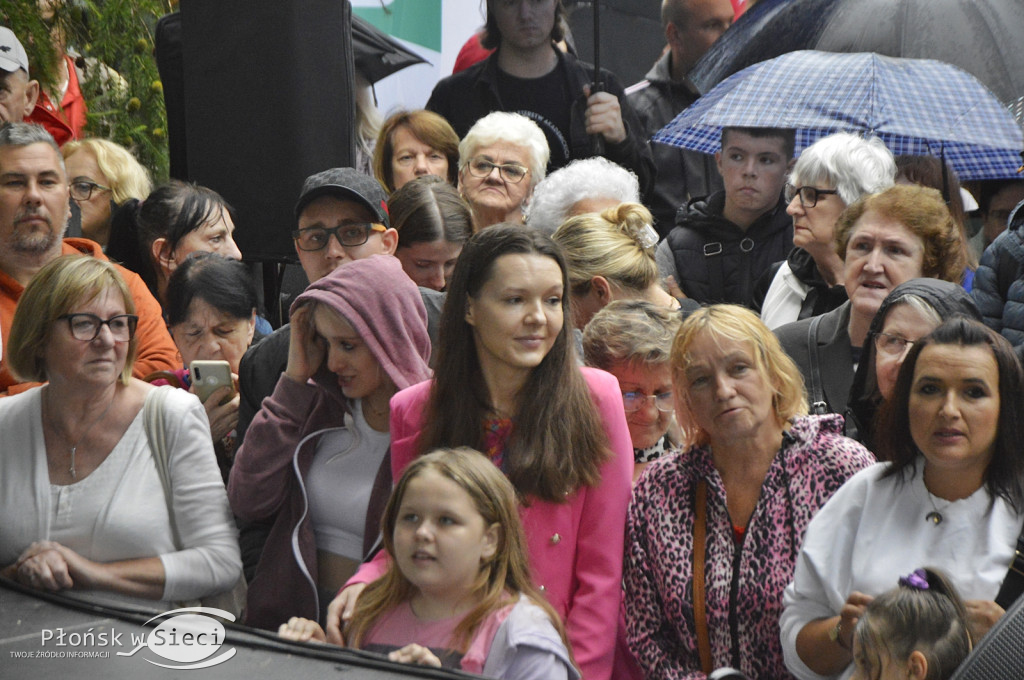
<point>916,106</point>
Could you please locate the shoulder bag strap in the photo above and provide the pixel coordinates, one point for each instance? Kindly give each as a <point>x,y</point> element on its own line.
<point>815,394</point>
<point>700,617</point>
<point>1013,584</point>
<point>153,419</point>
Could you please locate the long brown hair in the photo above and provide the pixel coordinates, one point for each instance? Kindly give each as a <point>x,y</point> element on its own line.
<point>559,443</point>
<point>502,578</point>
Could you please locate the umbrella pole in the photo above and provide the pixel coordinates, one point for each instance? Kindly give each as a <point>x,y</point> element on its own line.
<point>597,141</point>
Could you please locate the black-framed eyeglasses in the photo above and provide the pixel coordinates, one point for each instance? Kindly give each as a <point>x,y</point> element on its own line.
<point>808,195</point>
<point>510,172</point>
<point>632,401</point>
<point>86,327</point>
<point>892,345</point>
<point>82,189</point>
<point>349,235</point>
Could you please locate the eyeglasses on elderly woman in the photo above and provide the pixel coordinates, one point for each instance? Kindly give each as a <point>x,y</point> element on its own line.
<point>808,194</point>
<point>510,172</point>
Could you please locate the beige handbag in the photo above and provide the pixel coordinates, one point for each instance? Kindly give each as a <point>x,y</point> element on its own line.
<point>232,600</point>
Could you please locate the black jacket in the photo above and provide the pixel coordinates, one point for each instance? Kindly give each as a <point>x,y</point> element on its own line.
<point>467,96</point>
<point>715,260</point>
<point>682,174</point>
<point>820,298</point>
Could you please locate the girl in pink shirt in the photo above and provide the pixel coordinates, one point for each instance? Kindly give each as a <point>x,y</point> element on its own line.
<point>457,592</point>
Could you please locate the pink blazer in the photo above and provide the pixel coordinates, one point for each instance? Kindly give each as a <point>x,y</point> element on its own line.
<point>576,548</point>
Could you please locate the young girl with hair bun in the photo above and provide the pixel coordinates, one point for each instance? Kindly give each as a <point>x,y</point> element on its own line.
<point>918,630</point>
<point>457,592</point>
<point>610,256</point>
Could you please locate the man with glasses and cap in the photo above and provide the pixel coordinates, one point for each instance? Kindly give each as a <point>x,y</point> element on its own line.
<point>34,212</point>
<point>341,216</point>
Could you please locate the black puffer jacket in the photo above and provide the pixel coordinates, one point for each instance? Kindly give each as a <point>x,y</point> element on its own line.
<point>715,260</point>
<point>999,282</point>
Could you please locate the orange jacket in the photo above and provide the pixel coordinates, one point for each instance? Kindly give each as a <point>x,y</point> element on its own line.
<point>156,349</point>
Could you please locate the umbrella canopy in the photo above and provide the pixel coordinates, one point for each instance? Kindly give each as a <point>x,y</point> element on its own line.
<point>916,106</point>
<point>983,37</point>
<point>378,55</point>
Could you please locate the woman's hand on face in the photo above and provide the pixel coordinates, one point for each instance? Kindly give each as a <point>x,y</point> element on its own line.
<point>306,350</point>
<point>223,417</point>
<point>339,612</point>
<point>416,654</point>
<point>42,566</point>
<point>299,629</point>
<point>981,616</point>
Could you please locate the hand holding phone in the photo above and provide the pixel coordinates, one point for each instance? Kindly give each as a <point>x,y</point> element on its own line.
<point>210,376</point>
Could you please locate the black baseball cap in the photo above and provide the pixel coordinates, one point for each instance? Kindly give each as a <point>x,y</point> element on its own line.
<point>347,184</point>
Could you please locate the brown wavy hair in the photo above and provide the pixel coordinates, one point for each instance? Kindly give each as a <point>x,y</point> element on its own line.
<point>923,213</point>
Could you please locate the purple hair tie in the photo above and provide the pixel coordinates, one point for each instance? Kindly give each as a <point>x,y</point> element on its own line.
<point>916,579</point>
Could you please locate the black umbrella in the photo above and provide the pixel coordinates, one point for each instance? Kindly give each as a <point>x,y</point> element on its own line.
<point>377,54</point>
<point>983,37</point>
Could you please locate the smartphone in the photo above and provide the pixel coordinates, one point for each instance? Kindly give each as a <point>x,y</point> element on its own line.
<point>210,376</point>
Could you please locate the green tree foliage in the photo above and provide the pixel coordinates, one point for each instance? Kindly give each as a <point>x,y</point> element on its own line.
<point>112,42</point>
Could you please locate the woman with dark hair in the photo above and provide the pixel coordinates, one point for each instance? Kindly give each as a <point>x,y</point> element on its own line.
<point>154,236</point>
<point>433,223</point>
<point>507,384</point>
<point>951,495</point>
<point>411,144</point>
<point>910,312</point>
<point>211,313</point>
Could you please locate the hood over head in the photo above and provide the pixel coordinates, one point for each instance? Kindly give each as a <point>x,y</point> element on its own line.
<point>384,306</point>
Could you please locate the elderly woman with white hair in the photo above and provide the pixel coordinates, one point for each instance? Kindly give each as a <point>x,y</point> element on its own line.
<point>584,186</point>
<point>501,160</point>
<point>830,174</point>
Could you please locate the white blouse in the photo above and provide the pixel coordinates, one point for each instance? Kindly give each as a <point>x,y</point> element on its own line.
<point>119,512</point>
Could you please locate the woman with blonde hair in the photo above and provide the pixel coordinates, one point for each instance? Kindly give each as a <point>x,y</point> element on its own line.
<point>102,175</point>
<point>88,505</point>
<point>611,257</point>
<point>714,529</point>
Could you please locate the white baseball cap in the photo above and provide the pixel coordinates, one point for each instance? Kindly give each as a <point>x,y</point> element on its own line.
<point>12,54</point>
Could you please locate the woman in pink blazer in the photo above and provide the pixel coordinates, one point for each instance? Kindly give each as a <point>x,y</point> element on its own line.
<point>507,384</point>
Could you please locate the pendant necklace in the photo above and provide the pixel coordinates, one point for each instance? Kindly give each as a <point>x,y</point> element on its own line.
<point>935,517</point>
<point>74,447</point>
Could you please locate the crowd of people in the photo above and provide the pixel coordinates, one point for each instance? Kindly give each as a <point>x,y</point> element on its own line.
<point>546,408</point>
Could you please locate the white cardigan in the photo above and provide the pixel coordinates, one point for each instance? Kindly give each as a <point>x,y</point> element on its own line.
<point>872,531</point>
<point>119,511</point>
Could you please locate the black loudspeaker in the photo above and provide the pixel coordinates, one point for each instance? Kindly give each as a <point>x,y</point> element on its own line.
<point>267,99</point>
<point>1000,654</point>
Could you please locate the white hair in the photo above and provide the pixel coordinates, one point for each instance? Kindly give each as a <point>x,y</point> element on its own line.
<point>511,128</point>
<point>589,178</point>
<point>853,165</point>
